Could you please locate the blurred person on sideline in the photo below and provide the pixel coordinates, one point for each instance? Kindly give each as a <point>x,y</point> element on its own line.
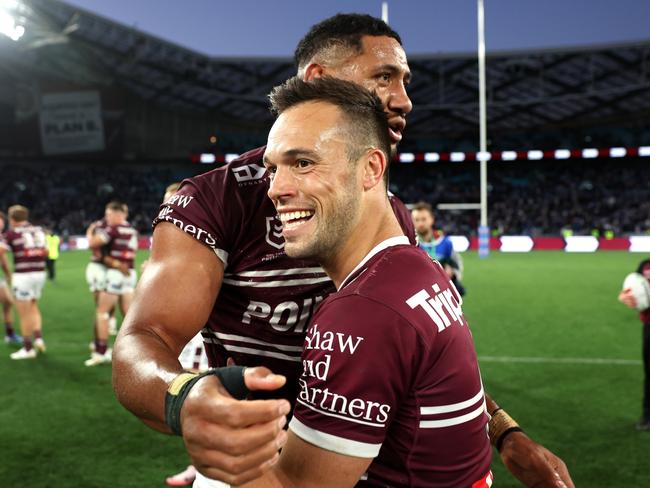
<point>6,298</point>
<point>626,297</point>
<point>437,244</point>
<point>27,243</point>
<point>53,242</point>
<point>219,238</point>
<point>120,241</point>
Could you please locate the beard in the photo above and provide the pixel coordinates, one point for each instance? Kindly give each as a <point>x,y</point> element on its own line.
<point>332,228</point>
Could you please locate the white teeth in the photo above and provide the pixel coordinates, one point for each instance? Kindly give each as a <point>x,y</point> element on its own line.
<point>289,216</point>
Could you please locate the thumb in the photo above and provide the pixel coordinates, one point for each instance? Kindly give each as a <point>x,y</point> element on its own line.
<point>261,378</point>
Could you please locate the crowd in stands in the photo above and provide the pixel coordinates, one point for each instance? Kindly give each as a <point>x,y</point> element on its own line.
<point>542,198</point>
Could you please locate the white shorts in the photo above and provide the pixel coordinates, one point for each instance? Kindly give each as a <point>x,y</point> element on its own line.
<point>96,277</point>
<point>203,482</point>
<point>118,284</point>
<point>28,286</point>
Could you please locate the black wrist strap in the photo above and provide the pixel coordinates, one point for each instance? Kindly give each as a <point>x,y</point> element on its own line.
<point>506,433</point>
<point>231,377</point>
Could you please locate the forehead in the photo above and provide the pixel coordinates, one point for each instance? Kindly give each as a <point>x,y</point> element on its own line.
<point>309,125</point>
<point>379,51</point>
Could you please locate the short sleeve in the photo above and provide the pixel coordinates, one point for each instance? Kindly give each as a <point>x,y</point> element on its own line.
<point>199,209</point>
<point>358,362</point>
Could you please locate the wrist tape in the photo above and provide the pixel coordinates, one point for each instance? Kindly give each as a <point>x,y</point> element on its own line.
<point>231,378</point>
<point>500,426</point>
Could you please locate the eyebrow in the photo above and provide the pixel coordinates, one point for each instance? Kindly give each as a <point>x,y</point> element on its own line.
<point>395,69</point>
<point>299,151</point>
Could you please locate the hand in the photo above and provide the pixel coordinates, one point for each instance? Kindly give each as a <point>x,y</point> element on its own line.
<point>230,440</point>
<point>124,269</point>
<point>626,297</point>
<point>533,464</point>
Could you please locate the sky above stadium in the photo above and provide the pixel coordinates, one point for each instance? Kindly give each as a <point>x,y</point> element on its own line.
<point>273,27</point>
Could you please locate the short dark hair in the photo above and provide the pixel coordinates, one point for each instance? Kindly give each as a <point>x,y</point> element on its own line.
<point>342,30</point>
<point>362,109</point>
<point>423,206</point>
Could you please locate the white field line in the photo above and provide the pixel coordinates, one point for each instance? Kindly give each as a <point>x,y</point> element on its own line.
<point>536,360</point>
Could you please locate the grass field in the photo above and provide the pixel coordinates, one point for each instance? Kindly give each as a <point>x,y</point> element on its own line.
<point>538,319</point>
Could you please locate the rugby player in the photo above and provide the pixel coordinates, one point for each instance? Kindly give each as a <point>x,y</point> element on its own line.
<point>218,263</point>
<point>6,298</point>
<point>120,240</point>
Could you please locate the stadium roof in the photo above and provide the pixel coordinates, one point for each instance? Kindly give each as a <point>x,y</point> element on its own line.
<point>532,90</point>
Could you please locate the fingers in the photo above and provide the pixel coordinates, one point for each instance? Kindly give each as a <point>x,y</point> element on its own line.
<point>262,379</point>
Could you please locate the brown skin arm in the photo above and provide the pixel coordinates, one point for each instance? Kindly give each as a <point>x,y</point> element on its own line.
<point>231,440</point>
<point>529,462</point>
<point>4,264</point>
<point>303,465</point>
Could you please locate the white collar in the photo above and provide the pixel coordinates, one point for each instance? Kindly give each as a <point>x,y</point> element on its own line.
<point>390,242</point>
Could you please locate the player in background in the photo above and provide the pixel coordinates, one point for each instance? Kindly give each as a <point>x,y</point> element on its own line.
<point>627,297</point>
<point>217,263</point>
<point>27,243</point>
<point>6,298</point>
<point>436,244</point>
<point>121,243</point>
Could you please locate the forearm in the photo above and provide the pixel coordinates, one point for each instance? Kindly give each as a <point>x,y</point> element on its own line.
<point>143,368</point>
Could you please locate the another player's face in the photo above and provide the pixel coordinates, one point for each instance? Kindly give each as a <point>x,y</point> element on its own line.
<point>422,221</point>
<point>381,67</point>
<point>314,187</point>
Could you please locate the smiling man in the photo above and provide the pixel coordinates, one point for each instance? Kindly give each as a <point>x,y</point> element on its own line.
<point>220,239</point>
<point>390,392</point>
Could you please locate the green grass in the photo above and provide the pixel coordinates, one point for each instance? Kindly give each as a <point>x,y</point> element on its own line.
<point>60,425</point>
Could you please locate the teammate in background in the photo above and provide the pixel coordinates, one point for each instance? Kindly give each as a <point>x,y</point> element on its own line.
<point>27,242</point>
<point>6,298</point>
<point>436,244</point>
<point>219,239</point>
<point>53,243</point>
<point>121,243</point>
<point>422,420</point>
<point>627,297</point>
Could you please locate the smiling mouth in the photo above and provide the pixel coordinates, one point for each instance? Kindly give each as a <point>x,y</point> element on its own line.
<point>291,220</point>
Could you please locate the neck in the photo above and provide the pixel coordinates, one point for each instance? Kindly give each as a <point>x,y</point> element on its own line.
<point>376,224</point>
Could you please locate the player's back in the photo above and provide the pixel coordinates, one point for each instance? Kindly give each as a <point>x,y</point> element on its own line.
<point>123,243</point>
<point>27,243</point>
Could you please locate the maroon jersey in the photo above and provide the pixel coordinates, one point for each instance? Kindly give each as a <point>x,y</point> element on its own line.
<point>266,299</point>
<point>27,243</point>
<point>390,372</point>
<point>121,242</point>
<point>98,253</point>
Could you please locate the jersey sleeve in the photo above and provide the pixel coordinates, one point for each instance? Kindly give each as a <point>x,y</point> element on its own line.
<point>205,208</point>
<point>358,362</point>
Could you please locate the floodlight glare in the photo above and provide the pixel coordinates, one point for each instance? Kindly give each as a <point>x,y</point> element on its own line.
<point>8,25</point>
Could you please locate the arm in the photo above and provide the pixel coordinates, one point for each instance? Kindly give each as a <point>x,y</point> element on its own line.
<point>226,439</point>
<point>4,264</point>
<point>531,463</point>
<point>94,240</point>
<point>303,465</point>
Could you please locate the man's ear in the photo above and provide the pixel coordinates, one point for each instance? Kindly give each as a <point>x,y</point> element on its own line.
<point>375,165</point>
<point>314,70</point>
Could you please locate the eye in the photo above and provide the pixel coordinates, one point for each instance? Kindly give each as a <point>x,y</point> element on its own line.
<point>271,170</point>
<point>303,163</point>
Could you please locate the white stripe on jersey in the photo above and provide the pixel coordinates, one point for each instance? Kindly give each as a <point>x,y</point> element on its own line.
<point>438,424</point>
<point>255,352</point>
<point>270,284</point>
<point>249,340</point>
<point>453,407</point>
<point>279,272</point>
<point>334,443</point>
